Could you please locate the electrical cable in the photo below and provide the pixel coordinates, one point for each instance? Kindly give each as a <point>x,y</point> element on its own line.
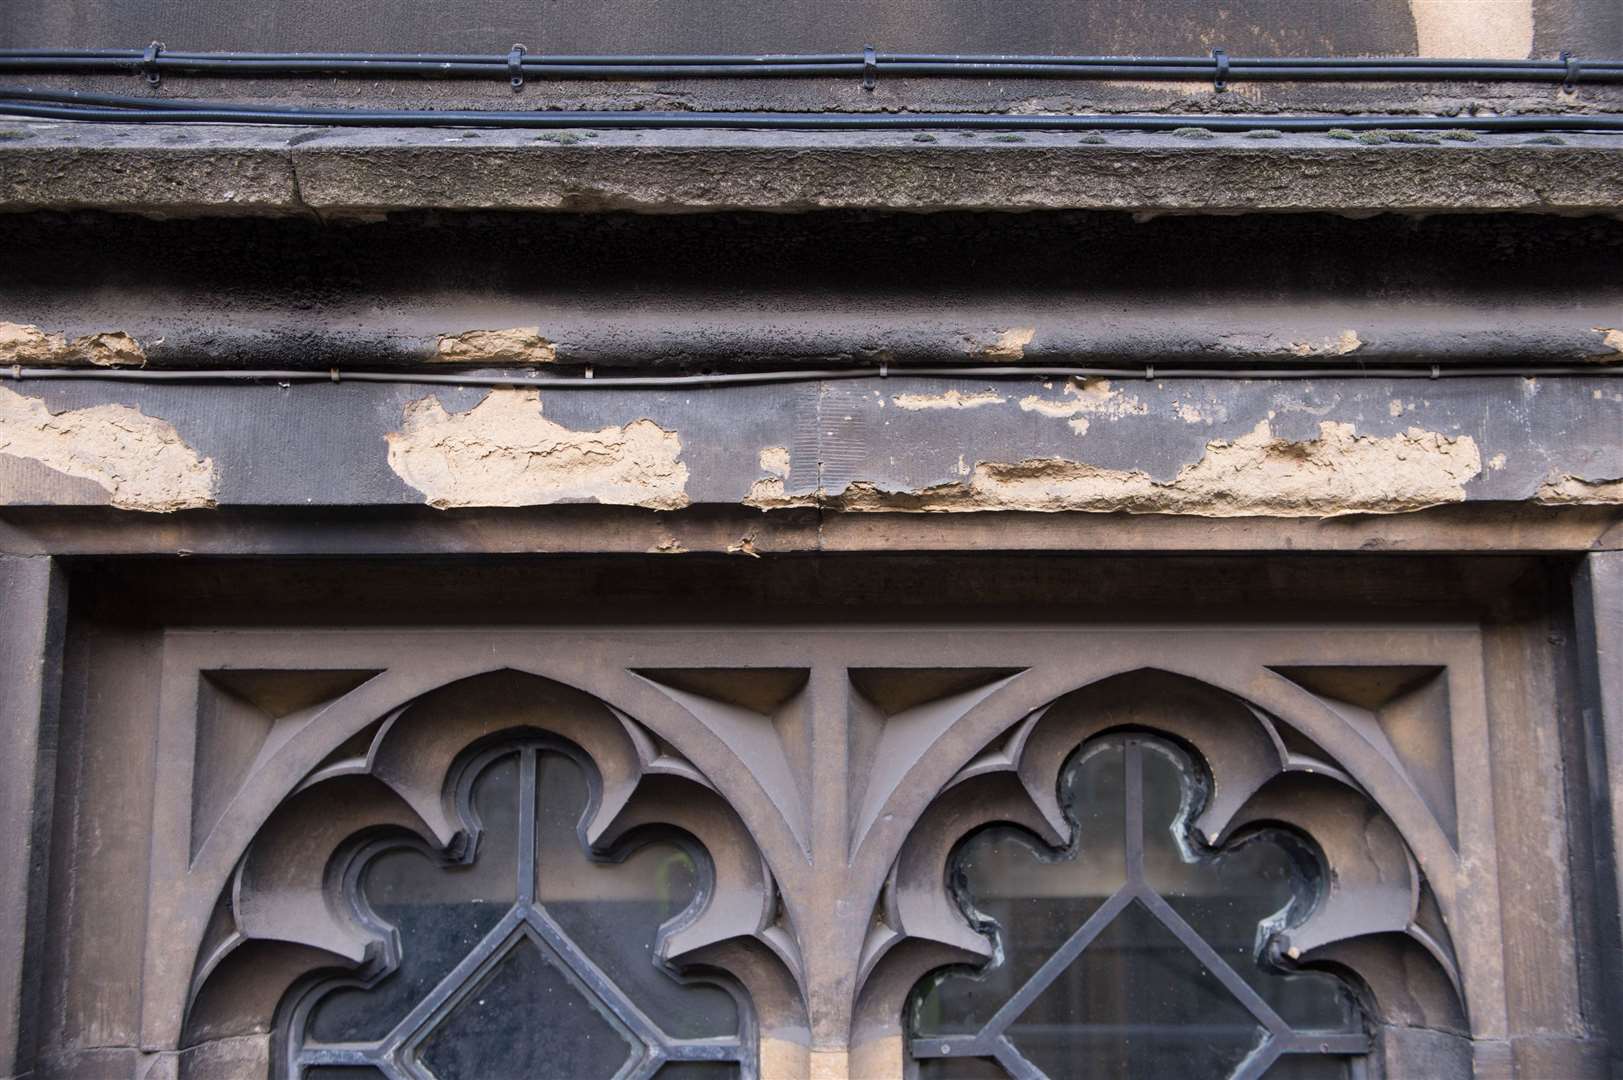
<point>742,378</point>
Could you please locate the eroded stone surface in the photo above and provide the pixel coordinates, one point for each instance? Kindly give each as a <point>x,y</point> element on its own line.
<point>141,461</point>
<point>504,452</point>
<point>30,346</point>
<point>951,399</point>
<point>518,345</point>
<point>1574,491</point>
<point>1258,474</point>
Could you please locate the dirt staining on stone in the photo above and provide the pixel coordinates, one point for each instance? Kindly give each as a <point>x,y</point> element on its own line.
<point>141,461</point>
<point>1011,344</point>
<point>519,345</point>
<point>1575,491</point>
<point>952,399</point>
<point>31,346</point>
<point>504,452</point>
<point>1257,475</point>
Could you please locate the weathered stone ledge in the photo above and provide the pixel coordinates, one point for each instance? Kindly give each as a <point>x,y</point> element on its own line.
<point>176,170</point>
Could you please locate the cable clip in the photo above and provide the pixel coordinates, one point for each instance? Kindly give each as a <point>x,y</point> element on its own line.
<point>870,67</point>
<point>884,370</point>
<point>588,372</point>
<point>1436,371</point>
<point>1575,71</point>
<point>515,67</point>
<point>149,63</point>
<point>333,374</point>
<point>1220,79</point>
<point>1149,372</point>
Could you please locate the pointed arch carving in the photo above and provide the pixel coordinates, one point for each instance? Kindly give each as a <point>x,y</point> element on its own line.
<point>294,920</point>
<point>1374,920</point>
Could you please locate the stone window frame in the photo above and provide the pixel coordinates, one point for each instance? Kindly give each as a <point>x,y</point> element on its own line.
<point>979,721</point>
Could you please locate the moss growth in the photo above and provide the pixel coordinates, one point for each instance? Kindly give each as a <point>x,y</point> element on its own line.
<point>1344,134</point>
<point>10,134</point>
<point>924,136</point>
<point>1373,138</point>
<point>1459,136</point>
<point>1413,137</point>
<point>1011,137</point>
<point>1193,133</point>
<point>1262,133</point>
<point>562,138</point>
<point>1093,140</point>
<point>1546,140</point>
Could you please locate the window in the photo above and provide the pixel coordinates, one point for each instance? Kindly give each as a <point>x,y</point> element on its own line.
<point>525,956</point>
<point>1135,951</point>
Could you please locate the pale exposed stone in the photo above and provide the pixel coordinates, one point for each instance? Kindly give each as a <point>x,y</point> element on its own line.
<point>1478,29</point>
<point>30,346</point>
<point>140,460</point>
<point>504,452</point>
<point>1573,491</point>
<point>775,460</point>
<point>1011,344</point>
<point>519,345</point>
<point>1340,472</point>
<point>1085,398</point>
<point>952,399</point>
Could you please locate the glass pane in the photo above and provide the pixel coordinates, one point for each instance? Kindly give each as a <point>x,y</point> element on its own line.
<point>613,911</point>
<point>342,1072</point>
<point>1135,1003</point>
<point>440,911</point>
<point>698,1070</point>
<point>1031,897</point>
<point>1310,1067</point>
<point>526,1018</point>
<point>961,1069</point>
<point>1227,896</point>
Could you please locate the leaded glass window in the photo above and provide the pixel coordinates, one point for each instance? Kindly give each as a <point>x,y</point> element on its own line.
<point>1136,951</point>
<point>527,956</point>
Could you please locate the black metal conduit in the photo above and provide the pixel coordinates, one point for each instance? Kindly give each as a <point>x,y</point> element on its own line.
<point>116,108</point>
<point>1220,68</point>
<point>744,378</point>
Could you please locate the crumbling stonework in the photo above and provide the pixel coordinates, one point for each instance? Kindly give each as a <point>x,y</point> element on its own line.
<point>519,345</point>
<point>141,461</point>
<point>32,347</point>
<point>1573,491</point>
<point>1256,475</point>
<point>503,452</point>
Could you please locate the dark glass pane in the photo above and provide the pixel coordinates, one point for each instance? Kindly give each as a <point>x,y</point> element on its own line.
<point>1135,1003</point>
<point>342,1072</point>
<point>698,1070</point>
<point>1227,896</point>
<point>1310,1067</point>
<point>1033,897</point>
<point>440,912</point>
<point>613,911</point>
<point>526,1018</point>
<point>961,1069</point>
